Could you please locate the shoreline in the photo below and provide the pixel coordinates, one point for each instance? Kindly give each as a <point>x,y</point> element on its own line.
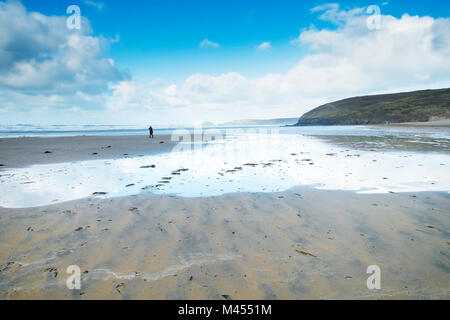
<point>27,151</point>
<point>444,124</point>
<point>20,152</point>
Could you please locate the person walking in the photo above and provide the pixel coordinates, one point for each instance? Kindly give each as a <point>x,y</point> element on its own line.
<point>150,130</point>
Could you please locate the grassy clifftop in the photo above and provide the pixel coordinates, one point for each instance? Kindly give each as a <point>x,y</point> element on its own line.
<point>417,106</point>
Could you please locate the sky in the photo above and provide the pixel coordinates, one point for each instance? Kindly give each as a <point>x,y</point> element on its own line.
<point>184,62</point>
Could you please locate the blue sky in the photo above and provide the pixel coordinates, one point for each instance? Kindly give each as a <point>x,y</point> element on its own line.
<point>259,59</point>
<point>160,39</point>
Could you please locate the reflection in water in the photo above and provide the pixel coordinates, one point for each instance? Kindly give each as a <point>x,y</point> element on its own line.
<point>414,143</point>
<point>244,162</point>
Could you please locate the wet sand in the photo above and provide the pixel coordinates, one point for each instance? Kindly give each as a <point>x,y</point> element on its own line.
<point>23,152</point>
<point>412,144</point>
<point>298,244</point>
<point>443,123</point>
<point>302,243</point>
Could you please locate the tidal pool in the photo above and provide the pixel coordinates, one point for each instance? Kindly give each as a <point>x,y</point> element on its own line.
<point>244,162</point>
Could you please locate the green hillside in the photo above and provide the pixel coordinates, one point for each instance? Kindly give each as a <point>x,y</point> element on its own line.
<point>417,106</point>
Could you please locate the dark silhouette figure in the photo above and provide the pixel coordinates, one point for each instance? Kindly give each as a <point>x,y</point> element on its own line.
<point>150,129</point>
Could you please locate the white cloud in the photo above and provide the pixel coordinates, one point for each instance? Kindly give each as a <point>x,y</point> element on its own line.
<point>331,12</point>
<point>264,46</point>
<point>38,54</point>
<point>95,4</point>
<point>408,52</point>
<point>205,43</point>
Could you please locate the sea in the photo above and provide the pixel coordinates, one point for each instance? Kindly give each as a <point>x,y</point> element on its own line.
<point>58,130</point>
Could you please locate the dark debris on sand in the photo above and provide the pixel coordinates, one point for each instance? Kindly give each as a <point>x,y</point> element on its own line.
<point>52,270</point>
<point>305,253</point>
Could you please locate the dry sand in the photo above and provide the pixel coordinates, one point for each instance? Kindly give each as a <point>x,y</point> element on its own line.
<point>22,152</point>
<point>238,246</point>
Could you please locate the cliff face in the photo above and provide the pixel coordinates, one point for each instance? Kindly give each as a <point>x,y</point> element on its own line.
<point>417,106</point>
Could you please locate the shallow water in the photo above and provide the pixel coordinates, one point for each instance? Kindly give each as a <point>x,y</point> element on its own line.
<point>249,160</point>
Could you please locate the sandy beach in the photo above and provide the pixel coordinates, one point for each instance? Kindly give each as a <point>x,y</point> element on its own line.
<point>26,151</point>
<point>443,123</point>
<point>299,243</point>
<point>218,151</point>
